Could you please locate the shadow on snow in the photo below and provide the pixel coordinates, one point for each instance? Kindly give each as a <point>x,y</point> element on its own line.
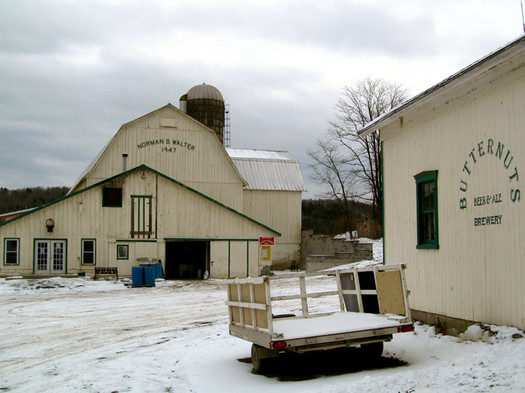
<point>301,367</point>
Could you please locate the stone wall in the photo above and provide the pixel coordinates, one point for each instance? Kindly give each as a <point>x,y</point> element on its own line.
<point>320,252</point>
<point>370,228</point>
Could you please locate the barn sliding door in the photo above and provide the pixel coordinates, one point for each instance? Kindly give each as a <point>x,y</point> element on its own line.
<point>50,256</point>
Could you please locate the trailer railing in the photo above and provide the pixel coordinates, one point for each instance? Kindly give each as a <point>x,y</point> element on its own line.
<point>378,289</point>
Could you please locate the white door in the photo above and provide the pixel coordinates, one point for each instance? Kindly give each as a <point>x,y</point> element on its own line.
<point>50,256</point>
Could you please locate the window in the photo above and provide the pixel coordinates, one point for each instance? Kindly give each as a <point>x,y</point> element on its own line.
<point>112,197</point>
<point>427,213</point>
<point>88,251</point>
<point>11,251</point>
<point>122,251</point>
<point>141,216</point>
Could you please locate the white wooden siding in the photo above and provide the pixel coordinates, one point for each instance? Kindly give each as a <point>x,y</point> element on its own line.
<point>233,259</point>
<point>206,167</point>
<point>477,273</point>
<point>280,210</point>
<point>177,213</point>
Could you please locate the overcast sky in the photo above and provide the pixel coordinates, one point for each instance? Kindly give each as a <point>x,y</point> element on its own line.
<point>73,71</point>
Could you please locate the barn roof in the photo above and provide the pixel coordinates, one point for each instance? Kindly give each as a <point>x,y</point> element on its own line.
<point>268,169</point>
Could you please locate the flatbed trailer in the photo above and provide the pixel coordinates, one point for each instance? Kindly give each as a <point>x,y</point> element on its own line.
<point>370,306</point>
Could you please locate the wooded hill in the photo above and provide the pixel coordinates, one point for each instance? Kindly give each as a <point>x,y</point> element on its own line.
<point>25,198</point>
<point>325,216</point>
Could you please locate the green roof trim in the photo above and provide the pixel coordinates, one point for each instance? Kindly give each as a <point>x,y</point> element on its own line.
<point>142,167</point>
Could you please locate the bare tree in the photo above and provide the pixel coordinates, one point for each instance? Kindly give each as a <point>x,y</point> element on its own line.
<point>332,169</point>
<point>354,162</point>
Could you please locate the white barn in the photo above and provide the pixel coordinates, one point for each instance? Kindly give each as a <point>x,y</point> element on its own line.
<point>165,188</point>
<point>452,160</point>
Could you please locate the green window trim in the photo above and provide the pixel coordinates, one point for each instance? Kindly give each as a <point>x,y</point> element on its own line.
<point>122,251</point>
<point>427,210</point>
<point>88,251</point>
<point>11,251</point>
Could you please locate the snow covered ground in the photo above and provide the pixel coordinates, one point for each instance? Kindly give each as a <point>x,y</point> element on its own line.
<point>71,335</point>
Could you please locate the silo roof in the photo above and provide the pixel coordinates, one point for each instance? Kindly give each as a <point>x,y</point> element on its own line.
<point>204,91</point>
<point>268,169</point>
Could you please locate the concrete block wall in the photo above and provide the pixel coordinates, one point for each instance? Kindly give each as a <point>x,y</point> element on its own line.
<point>320,252</point>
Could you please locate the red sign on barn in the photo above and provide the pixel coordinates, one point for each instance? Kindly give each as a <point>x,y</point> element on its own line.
<point>266,241</point>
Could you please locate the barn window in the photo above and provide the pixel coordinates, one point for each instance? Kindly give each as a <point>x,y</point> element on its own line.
<point>89,251</point>
<point>141,216</point>
<point>111,197</point>
<point>122,251</point>
<point>427,210</point>
<point>11,251</point>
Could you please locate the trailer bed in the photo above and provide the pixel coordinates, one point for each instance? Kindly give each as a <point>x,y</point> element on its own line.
<point>338,323</point>
<point>370,306</point>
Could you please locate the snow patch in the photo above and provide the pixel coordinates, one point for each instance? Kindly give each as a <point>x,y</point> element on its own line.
<point>80,335</point>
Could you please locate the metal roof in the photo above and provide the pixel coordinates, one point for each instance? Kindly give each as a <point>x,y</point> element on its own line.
<point>16,212</point>
<point>268,169</point>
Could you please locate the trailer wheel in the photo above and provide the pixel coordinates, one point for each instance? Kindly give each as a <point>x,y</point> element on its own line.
<point>373,350</point>
<point>257,358</point>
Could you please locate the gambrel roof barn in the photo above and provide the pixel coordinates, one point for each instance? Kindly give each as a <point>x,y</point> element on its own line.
<point>165,188</point>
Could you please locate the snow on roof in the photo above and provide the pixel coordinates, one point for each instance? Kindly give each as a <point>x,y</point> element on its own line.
<point>268,169</point>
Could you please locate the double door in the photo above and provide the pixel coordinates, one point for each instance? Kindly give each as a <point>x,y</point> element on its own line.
<point>50,256</point>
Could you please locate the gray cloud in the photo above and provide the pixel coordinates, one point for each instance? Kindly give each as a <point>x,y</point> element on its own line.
<point>71,73</point>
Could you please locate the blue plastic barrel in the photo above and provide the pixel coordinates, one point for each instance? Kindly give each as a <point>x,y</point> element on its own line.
<point>149,276</point>
<point>158,270</point>
<point>137,276</point>
<point>157,266</point>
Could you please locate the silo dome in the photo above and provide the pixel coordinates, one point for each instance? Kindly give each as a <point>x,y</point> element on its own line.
<point>205,104</point>
<point>204,91</point>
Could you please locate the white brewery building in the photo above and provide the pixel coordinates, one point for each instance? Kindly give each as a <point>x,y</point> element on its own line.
<point>454,168</point>
<point>165,188</point>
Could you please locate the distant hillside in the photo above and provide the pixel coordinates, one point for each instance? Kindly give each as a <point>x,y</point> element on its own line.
<point>325,216</point>
<point>25,198</point>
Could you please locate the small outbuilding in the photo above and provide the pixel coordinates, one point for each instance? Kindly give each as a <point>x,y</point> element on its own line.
<point>166,189</point>
<point>452,160</point>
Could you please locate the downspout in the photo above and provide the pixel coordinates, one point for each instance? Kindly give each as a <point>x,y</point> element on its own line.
<point>229,245</point>
<point>383,204</point>
<point>247,259</point>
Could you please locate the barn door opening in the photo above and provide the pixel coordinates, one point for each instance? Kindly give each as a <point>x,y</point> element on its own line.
<point>187,259</point>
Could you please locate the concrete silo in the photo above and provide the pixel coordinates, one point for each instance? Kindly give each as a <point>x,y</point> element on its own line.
<point>205,104</point>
